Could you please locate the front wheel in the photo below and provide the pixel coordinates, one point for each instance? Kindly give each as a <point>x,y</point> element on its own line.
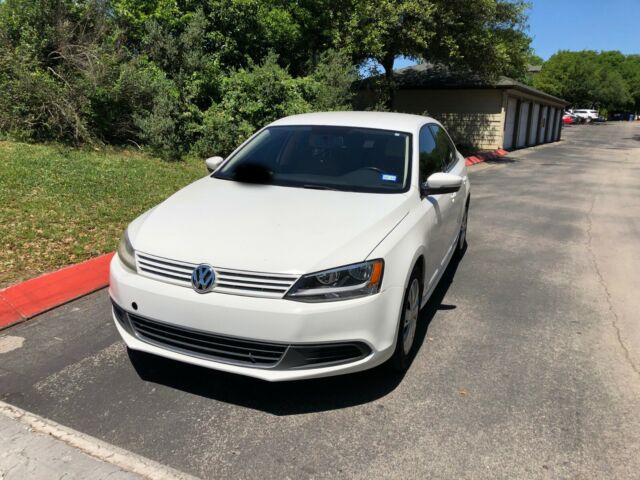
<point>462,235</point>
<point>408,325</point>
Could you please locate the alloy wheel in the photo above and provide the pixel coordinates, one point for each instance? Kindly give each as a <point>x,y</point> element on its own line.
<point>462,237</point>
<point>412,308</point>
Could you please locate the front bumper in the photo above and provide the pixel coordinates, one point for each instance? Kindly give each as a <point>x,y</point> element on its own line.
<point>369,322</point>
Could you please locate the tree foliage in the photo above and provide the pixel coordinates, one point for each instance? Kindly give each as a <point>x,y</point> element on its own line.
<point>604,80</point>
<point>485,36</point>
<point>181,76</point>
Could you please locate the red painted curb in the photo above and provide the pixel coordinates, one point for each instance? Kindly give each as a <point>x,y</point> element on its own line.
<point>481,157</point>
<point>28,299</point>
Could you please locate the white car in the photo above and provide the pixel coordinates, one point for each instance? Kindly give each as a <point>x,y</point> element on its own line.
<point>308,252</point>
<point>588,114</point>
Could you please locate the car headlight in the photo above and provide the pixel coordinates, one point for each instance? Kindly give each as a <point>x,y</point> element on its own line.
<point>351,281</point>
<point>126,253</point>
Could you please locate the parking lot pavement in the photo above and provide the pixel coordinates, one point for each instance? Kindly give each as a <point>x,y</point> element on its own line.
<point>528,366</point>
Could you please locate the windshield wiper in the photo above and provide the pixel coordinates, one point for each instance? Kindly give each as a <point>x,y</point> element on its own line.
<point>318,187</point>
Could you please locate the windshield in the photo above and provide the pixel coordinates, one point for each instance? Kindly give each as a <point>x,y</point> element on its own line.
<point>340,158</point>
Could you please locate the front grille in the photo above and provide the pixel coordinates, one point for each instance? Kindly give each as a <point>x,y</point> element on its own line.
<point>237,282</point>
<point>215,347</point>
<point>239,351</point>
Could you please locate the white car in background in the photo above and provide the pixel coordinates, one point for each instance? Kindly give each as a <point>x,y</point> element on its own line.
<point>587,114</point>
<point>308,252</point>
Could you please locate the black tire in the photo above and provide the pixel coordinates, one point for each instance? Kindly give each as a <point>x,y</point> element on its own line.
<point>402,355</point>
<point>461,246</point>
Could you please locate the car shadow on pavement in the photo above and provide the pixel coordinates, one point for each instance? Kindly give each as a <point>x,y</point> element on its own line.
<point>502,160</point>
<point>289,398</point>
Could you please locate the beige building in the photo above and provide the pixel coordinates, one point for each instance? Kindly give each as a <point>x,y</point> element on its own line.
<point>504,114</point>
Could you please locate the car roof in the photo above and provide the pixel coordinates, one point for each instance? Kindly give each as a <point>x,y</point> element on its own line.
<point>402,122</point>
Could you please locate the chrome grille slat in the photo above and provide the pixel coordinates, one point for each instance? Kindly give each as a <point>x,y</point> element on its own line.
<point>224,286</point>
<point>165,275</point>
<point>243,280</point>
<point>187,266</point>
<point>228,281</point>
<point>163,270</point>
<point>275,286</point>
<point>166,269</point>
<point>255,276</point>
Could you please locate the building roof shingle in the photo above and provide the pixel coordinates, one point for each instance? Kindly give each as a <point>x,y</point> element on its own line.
<point>430,76</point>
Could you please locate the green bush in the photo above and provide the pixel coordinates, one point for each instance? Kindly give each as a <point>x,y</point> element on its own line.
<point>35,105</point>
<point>250,98</point>
<point>171,78</point>
<point>332,82</point>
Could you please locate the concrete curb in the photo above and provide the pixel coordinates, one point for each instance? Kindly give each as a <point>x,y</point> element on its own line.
<point>27,299</point>
<point>123,459</point>
<point>484,156</point>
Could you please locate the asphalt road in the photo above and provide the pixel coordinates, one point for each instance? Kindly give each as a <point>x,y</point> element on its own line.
<point>529,365</point>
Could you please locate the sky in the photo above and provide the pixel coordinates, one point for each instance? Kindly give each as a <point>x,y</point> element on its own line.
<point>580,25</point>
<point>584,25</point>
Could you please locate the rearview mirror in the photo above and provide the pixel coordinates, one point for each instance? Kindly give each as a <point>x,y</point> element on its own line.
<point>213,163</point>
<point>440,183</point>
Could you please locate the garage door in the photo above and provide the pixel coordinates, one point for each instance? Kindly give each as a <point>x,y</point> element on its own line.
<point>556,126</point>
<point>509,123</point>
<point>543,124</point>
<point>550,120</point>
<point>533,131</point>
<point>522,124</point>
<point>552,130</point>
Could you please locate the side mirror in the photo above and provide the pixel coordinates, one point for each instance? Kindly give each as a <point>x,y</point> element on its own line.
<point>213,163</point>
<point>440,183</point>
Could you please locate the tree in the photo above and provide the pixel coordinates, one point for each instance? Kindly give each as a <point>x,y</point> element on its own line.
<point>630,71</point>
<point>485,37</point>
<point>331,83</point>
<point>569,75</point>
<point>611,92</point>
<point>250,98</point>
<point>133,15</point>
<point>533,59</point>
<point>165,74</point>
<point>605,80</point>
<point>387,29</point>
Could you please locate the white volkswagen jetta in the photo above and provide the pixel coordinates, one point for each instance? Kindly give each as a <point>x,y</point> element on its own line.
<point>308,252</point>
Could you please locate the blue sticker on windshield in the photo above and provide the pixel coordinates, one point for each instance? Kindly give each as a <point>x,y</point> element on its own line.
<point>388,178</point>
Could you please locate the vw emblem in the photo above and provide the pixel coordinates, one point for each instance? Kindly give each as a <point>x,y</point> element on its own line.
<point>203,278</point>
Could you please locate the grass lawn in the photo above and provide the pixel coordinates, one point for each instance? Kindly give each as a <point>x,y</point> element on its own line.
<point>60,205</point>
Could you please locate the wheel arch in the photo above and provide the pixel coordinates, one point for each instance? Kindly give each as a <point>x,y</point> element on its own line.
<point>419,263</point>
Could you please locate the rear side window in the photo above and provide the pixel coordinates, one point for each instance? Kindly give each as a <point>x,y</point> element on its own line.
<point>430,160</point>
<point>446,150</point>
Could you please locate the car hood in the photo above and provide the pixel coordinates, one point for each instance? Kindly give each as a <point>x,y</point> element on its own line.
<point>267,228</point>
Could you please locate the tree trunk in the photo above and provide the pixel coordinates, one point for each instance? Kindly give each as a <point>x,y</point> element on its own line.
<point>389,86</point>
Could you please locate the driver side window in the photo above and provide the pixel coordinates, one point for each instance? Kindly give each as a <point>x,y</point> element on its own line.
<point>430,159</point>
<point>445,148</point>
